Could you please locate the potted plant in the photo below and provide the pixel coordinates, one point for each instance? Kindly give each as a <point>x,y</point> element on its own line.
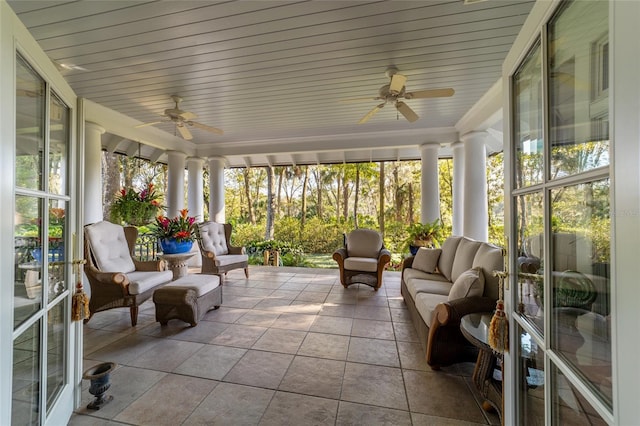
<point>175,235</point>
<point>136,208</point>
<point>423,235</point>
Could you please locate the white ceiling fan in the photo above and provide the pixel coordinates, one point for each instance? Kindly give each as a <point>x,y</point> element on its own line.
<point>396,90</point>
<point>182,120</point>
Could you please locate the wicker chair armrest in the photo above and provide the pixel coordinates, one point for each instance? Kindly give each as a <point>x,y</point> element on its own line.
<point>117,278</point>
<point>150,265</point>
<point>236,250</point>
<point>451,312</point>
<point>209,254</point>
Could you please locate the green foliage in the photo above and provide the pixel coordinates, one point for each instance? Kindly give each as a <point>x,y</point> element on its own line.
<point>181,228</point>
<point>136,207</point>
<point>429,232</point>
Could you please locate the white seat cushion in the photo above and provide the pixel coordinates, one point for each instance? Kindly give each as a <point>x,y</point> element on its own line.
<point>410,273</point>
<point>229,259</point>
<point>109,247</point>
<point>365,264</point>
<point>201,283</point>
<point>141,281</point>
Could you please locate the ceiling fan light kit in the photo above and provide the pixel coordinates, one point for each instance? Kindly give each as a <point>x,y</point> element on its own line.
<point>396,90</point>
<point>182,120</point>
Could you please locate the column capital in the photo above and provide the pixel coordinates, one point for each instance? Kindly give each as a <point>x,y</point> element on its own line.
<point>195,160</point>
<point>429,146</point>
<point>217,160</point>
<point>176,154</point>
<point>475,135</point>
<point>93,126</point>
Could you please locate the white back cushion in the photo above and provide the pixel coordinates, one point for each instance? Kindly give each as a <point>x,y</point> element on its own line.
<point>109,247</point>
<point>213,238</point>
<point>364,243</point>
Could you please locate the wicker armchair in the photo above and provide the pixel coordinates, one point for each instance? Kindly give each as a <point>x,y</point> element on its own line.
<point>116,278</point>
<point>218,255</point>
<point>363,258</point>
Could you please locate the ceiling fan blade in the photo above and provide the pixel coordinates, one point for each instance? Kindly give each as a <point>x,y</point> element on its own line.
<point>433,93</point>
<point>187,115</point>
<point>352,100</point>
<point>147,124</point>
<point>205,127</point>
<point>397,83</point>
<point>406,111</point>
<point>371,114</point>
<point>186,134</point>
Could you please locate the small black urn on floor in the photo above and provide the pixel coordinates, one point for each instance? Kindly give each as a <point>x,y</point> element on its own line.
<point>99,378</point>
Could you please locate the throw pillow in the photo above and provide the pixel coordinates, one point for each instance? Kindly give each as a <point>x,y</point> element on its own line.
<point>470,283</point>
<point>426,259</point>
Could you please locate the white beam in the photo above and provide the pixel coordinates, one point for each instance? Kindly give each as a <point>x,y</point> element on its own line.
<point>155,155</point>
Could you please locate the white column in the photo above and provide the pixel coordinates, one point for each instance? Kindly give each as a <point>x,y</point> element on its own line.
<point>175,190</point>
<point>458,188</point>
<point>93,173</point>
<point>195,191</point>
<point>216,189</point>
<point>430,189</point>
<point>476,216</point>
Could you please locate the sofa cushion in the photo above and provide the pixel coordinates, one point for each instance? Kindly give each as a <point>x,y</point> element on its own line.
<point>426,259</point>
<point>363,243</point>
<point>230,259</point>
<point>465,253</point>
<point>213,237</point>
<point>416,286</point>
<point>141,281</point>
<point>445,263</point>
<point>469,284</point>
<point>426,304</point>
<point>366,264</point>
<point>489,258</point>
<point>410,273</point>
<point>109,247</point>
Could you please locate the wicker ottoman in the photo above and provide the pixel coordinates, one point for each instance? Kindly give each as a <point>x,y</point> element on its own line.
<point>188,298</point>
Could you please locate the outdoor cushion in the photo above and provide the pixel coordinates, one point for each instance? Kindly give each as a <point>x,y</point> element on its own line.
<point>409,273</point>
<point>201,284</point>
<point>490,259</point>
<point>445,263</point>
<point>364,243</point>
<point>426,304</point>
<point>426,259</point>
<point>469,284</point>
<point>465,253</point>
<point>213,238</point>
<point>416,286</point>
<point>141,281</point>
<point>110,248</point>
<point>361,264</point>
<point>230,259</point>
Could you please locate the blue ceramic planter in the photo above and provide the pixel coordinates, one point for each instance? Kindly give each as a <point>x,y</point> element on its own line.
<point>171,246</point>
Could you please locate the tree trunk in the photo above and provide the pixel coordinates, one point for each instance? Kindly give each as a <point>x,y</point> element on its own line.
<point>280,179</point>
<point>305,184</point>
<point>411,201</point>
<point>345,196</point>
<point>317,173</point>
<point>247,193</point>
<point>268,234</point>
<point>356,196</point>
<point>381,190</point>
<point>397,195</point>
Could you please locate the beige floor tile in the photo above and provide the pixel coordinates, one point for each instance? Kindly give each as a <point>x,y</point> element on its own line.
<point>166,355</point>
<point>312,296</point>
<point>293,321</point>
<point>318,288</point>
<point>322,345</point>
<point>373,351</point>
<point>240,302</point>
<point>405,332</point>
<point>168,402</point>
<point>373,329</point>
<point>261,369</point>
<point>412,356</point>
<point>337,310</point>
<point>258,318</point>
<point>400,315</point>
<point>179,330</point>
<point>278,340</point>
<point>211,362</point>
<point>332,325</point>
<point>424,420</point>
<point>314,376</point>
<point>126,349</point>
<point>298,410</point>
<point>240,336</point>
<point>374,385</point>
<point>231,404</point>
<point>372,312</point>
<point>453,399</point>
<point>225,314</point>
<point>350,413</point>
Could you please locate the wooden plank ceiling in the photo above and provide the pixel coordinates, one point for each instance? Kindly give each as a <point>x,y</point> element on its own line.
<point>276,73</point>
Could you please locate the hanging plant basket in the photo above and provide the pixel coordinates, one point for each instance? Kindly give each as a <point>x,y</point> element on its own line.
<point>132,212</point>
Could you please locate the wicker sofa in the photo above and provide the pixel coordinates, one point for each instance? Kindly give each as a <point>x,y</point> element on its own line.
<point>440,286</point>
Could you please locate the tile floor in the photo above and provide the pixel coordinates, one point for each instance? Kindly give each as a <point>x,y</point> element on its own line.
<point>288,346</point>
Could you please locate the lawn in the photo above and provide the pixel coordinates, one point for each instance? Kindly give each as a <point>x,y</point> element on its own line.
<point>321,260</point>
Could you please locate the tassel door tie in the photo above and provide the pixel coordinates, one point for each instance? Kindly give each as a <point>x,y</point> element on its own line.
<point>80,300</point>
<point>499,326</point>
